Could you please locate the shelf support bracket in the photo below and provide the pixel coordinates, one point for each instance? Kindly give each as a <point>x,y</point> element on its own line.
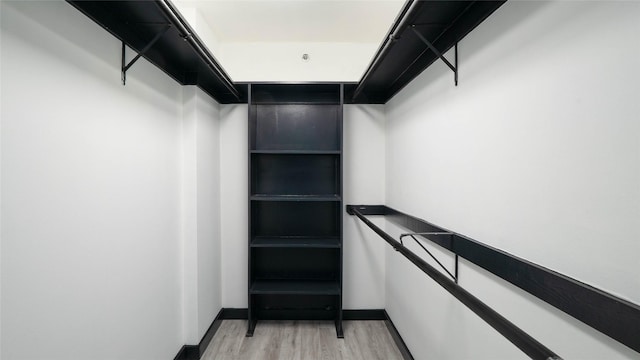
<point>453,68</point>
<point>126,67</point>
<point>453,276</point>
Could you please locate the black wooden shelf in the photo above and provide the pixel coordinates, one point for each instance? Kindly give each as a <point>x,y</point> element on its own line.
<point>296,152</point>
<point>403,56</point>
<point>270,197</point>
<point>296,242</point>
<point>178,51</point>
<point>295,94</point>
<point>296,127</point>
<point>295,287</point>
<point>613,316</point>
<point>313,174</point>
<point>295,218</point>
<point>296,103</point>
<point>295,202</point>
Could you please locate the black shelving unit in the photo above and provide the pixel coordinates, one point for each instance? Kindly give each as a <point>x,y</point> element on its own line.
<point>295,202</point>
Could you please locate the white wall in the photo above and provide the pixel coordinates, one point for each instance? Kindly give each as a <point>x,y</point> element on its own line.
<point>200,213</point>
<point>364,183</point>
<point>234,203</point>
<point>189,210</point>
<point>265,40</point>
<point>1,57</point>
<point>536,152</point>
<point>255,61</point>
<point>89,194</point>
<point>209,241</point>
<point>202,292</point>
<point>199,24</point>
<point>110,217</point>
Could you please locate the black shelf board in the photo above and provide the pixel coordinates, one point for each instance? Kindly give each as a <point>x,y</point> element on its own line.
<point>297,152</point>
<point>294,126</point>
<point>295,287</point>
<point>295,103</point>
<point>296,242</point>
<point>282,197</point>
<point>301,93</point>
<point>136,23</point>
<point>443,23</point>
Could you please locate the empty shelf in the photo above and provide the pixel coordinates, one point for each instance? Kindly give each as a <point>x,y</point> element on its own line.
<point>296,241</point>
<point>297,152</point>
<point>274,197</point>
<point>295,287</point>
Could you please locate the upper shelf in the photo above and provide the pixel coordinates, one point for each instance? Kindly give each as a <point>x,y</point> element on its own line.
<point>178,52</point>
<point>403,55</point>
<point>301,93</point>
<point>182,55</point>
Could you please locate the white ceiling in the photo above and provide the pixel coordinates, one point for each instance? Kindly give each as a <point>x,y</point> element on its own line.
<point>298,21</point>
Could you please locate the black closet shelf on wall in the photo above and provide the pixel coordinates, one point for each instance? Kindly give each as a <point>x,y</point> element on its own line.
<point>294,93</point>
<point>265,197</point>
<point>177,50</point>
<point>613,316</point>
<point>296,242</point>
<point>293,103</point>
<point>296,152</point>
<point>403,55</point>
<point>292,287</point>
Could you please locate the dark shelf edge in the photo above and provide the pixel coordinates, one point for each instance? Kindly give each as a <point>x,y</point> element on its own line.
<point>367,209</point>
<point>184,72</point>
<point>613,316</point>
<point>293,292</point>
<point>296,103</point>
<point>296,152</point>
<point>292,287</point>
<point>295,198</point>
<point>289,242</point>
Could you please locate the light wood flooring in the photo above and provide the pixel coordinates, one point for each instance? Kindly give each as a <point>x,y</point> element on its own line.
<point>302,340</point>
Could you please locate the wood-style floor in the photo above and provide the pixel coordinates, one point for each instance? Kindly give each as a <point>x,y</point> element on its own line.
<point>302,340</point>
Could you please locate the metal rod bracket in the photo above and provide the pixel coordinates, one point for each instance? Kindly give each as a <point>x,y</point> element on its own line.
<point>126,67</point>
<point>453,68</point>
<point>453,276</point>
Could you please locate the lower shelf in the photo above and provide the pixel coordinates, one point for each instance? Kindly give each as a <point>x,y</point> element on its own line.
<point>296,242</point>
<point>283,306</point>
<point>297,287</point>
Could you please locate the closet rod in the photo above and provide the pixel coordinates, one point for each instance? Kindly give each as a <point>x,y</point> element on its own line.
<point>393,34</point>
<point>189,35</point>
<point>525,342</point>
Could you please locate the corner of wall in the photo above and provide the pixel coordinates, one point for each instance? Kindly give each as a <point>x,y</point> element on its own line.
<point>189,213</point>
<point>234,207</point>
<point>364,259</point>
<point>208,217</point>
<point>200,212</point>
<point>1,36</point>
